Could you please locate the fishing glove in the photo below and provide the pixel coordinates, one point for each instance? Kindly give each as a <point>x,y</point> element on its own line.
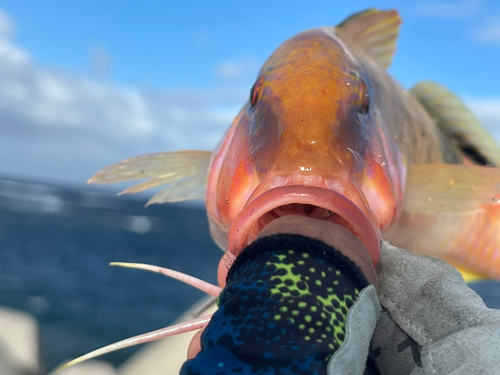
<point>432,322</point>
<point>284,310</point>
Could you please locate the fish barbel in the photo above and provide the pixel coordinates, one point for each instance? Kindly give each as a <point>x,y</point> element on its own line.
<point>328,133</point>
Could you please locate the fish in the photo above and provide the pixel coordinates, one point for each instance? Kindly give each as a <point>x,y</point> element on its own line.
<point>327,133</point>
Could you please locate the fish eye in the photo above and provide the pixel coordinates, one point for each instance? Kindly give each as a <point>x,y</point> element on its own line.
<point>364,97</point>
<point>256,91</point>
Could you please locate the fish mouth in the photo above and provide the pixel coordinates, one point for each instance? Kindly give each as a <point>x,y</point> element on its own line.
<point>315,202</point>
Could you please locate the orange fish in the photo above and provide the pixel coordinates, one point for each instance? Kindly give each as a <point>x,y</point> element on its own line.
<point>328,133</point>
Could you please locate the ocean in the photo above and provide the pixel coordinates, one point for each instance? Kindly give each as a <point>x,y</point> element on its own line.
<point>56,244</point>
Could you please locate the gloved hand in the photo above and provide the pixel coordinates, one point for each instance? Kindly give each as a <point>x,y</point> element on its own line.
<point>284,307</point>
<point>431,322</point>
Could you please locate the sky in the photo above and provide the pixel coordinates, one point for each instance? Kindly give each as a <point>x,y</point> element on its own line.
<point>84,84</point>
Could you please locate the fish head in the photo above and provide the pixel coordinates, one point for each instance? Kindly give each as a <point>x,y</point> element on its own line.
<point>307,143</point>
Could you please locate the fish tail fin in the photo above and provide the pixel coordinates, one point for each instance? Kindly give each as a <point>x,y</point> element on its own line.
<point>185,173</point>
<point>452,212</point>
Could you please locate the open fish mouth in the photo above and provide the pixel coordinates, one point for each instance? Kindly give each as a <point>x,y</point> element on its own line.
<point>315,202</point>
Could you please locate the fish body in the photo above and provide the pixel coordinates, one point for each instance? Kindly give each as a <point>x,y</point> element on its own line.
<point>322,116</point>
<point>328,133</point>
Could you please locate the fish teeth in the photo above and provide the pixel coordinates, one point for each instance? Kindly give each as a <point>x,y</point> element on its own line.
<point>314,212</point>
<point>320,213</point>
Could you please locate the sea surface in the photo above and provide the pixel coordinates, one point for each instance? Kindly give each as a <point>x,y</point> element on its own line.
<point>55,246</point>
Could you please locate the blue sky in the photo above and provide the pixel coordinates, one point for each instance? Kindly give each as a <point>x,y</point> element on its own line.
<point>92,82</point>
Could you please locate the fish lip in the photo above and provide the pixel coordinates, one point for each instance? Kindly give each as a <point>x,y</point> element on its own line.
<point>367,232</point>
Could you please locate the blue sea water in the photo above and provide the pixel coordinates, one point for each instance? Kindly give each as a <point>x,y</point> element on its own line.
<point>55,246</point>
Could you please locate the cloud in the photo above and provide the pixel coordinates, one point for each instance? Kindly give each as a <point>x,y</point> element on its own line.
<point>487,111</point>
<point>101,61</point>
<point>202,39</point>
<point>238,69</point>
<point>448,9</point>
<point>63,126</point>
<point>489,33</point>
<point>59,125</point>
<point>7,28</point>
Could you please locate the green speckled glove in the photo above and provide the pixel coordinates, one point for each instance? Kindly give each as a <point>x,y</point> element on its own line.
<point>284,310</point>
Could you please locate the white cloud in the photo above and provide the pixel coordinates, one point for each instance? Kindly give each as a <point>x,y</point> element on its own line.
<point>101,61</point>
<point>238,69</point>
<point>487,111</point>
<point>202,39</point>
<point>489,33</point>
<point>7,28</point>
<point>59,125</point>
<point>10,55</point>
<point>448,9</point>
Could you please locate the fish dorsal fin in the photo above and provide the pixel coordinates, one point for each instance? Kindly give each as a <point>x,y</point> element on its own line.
<point>457,122</point>
<point>185,173</point>
<point>375,32</point>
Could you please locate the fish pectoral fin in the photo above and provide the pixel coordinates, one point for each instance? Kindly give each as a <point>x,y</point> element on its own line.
<point>457,122</point>
<point>375,32</point>
<point>184,172</point>
<point>451,188</point>
<point>452,212</point>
